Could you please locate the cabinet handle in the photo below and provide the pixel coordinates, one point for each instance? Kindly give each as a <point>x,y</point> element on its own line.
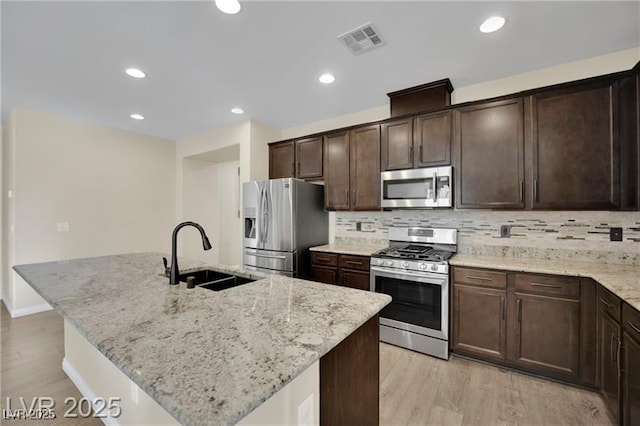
<point>353,262</point>
<point>420,159</point>
<point>611,347</point>
<point>502,307</point>
<point>298,168</point>
<point>634,327</point>
<point>609,305</point>
<point>618,356</point>
<point>521,190</point>
<point>546,285</point>
<point>473,277</point>
<point>535,190</point>
<point>519,310</point>
<point>323,259</point>
<point>411,154</point>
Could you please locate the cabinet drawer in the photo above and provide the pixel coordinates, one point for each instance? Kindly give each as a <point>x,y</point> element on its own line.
<point>631,321</point>
<point>354,262</point>
<point>324,259</point>
<point>609,303</point>
<point>357,280</point>
<point>480,278</point>
<point>548,285</point>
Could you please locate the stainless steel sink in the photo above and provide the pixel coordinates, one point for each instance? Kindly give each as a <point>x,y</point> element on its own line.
<point>214,280</point>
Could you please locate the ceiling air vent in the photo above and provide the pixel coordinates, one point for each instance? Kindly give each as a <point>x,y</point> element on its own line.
<point>361,39</point>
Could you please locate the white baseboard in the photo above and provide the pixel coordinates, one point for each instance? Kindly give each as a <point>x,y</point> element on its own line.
<point>29,310</point>
<point>86,391</point>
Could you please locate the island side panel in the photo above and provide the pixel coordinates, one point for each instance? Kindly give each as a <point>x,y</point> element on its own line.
<point>350,379</point>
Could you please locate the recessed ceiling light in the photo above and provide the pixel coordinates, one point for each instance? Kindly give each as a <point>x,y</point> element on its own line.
<point>230,7</point>
<point>137,116</point>
<point>492,24</point>
<point>326,78</point>
<point>135,73</point>
<point>237,110</point>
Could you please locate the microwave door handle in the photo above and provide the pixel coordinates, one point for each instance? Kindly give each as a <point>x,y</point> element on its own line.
<point>435,187</point>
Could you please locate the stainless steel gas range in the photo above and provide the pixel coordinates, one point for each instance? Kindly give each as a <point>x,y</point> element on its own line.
<point>414,271</point>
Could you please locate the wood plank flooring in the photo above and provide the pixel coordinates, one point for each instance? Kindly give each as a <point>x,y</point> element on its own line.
<point>415,389</point>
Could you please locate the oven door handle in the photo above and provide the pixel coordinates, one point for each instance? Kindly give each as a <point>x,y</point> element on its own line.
<point>420,277</point>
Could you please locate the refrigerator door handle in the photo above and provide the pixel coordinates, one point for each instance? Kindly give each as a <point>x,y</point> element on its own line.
<point>265,256</point>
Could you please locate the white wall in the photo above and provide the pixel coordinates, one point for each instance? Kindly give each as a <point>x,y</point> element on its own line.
<point>206,166</point>
<point>116,189</point>
<point>2,195</point>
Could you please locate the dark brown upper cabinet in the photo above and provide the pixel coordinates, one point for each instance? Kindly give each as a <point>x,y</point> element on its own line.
<point>575,147</point>
<point>309,158</point>
<point>282,160</point>
<point>397,144</point>
<point>432,139</point>
<point>423,141</point>
<point>489,145</point>
<point>365,168</point>
<point>336,166</point>
<point>352,169</point>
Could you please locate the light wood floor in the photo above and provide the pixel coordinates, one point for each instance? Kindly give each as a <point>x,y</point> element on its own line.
<point>415,389</point>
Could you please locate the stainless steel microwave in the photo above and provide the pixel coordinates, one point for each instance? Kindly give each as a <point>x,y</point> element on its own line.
<point>417,188</point>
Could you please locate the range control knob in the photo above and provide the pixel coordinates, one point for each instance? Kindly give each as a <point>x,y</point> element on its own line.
<point>405,264</point>
<point>434,267</point>
<point>389,263</point>
<point>380,262</point>
<point>422,266</point>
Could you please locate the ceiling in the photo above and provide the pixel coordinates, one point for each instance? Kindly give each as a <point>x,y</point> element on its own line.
<point>69,57</point>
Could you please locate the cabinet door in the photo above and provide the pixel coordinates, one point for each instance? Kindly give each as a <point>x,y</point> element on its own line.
<point>479,321</point>
<point>490,156</point>
<point>631,380</point>
<point>397,144</point>
<point>609,343</point>
<point>354,279</point>
<point>575,148</point>
<point>336,166</point>
<point>281,160</point>
<point>324,275</point>
<point>432,139</point>
<point>309,158</point>
<point>547,335</point>
<point>365,168</point>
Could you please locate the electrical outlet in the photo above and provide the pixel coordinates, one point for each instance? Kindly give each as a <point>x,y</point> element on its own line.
<point>615,234</point>
<point>505,231</point>
<point>358,226</point>
<point>305,412</point>
<point>63,226</point>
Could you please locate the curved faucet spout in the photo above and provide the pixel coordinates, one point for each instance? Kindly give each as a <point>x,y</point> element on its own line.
<point>175,272</point>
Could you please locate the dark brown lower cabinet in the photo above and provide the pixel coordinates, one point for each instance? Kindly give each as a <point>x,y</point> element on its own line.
<point>526,321</point>
<point>547,335</point>
<point>350,379</point>
<point>479,319</point>
<point>340,269</point>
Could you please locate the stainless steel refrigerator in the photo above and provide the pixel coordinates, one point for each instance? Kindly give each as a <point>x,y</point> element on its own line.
<point>282,219</point>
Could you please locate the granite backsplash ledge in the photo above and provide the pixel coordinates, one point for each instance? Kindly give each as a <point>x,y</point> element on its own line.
<point>575,235</point>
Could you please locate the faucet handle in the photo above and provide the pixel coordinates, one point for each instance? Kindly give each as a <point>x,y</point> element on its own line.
<point>167,270</point>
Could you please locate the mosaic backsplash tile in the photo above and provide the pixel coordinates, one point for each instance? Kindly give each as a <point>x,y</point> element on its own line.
<point>579,236</point>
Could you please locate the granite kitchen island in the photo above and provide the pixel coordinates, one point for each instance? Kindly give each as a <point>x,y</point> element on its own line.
<point>211,357</point>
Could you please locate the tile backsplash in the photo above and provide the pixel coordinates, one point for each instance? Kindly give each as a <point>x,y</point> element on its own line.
<point>573,235</point>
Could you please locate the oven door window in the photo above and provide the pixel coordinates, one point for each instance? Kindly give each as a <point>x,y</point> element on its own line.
<point>413,302</point>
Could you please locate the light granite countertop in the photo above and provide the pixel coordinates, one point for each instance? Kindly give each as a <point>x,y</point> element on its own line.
<point>622,280</point>
<point>206,357</point>
<point>360,250</point>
